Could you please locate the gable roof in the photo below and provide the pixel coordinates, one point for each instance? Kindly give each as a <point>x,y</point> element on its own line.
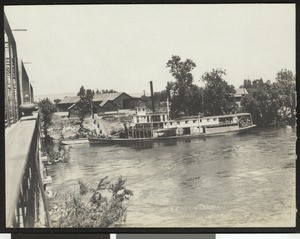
<point>69,100</point>
<point>103,103</point>
<point>107,96</point>
<point>97,98</point>
<point>241,92</point>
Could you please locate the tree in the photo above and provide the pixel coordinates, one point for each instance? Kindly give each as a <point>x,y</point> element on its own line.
<point>261,102</point>
<point>179,90</point>
<point>108,91</point>
<point>286,89</point>
<point>218,94</point>
<point>195,100</point>
<point>56,101</point>
<point>160,99</point>
<point>47,108</point>
<point>105,91</point>
<point>84,103</point>
<point>271,103</point>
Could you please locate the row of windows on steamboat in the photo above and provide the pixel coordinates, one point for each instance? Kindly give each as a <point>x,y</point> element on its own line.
<point>163,118</point>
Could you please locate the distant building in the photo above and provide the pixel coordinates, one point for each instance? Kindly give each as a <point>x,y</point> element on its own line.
<point>134,102</point>
<point>104,102</point>
<point>240,93</point>
<point>110,102</point>
<point>67,102</point>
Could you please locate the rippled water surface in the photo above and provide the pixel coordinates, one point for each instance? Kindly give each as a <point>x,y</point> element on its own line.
<point>222,181</point>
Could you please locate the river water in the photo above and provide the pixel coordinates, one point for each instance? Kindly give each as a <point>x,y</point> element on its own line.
<point>223,181</point>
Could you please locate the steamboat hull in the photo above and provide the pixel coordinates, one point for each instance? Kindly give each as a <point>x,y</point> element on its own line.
<point>111,141</point>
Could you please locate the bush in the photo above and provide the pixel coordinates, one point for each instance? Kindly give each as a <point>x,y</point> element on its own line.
<point>99,207</point>
<point>83,188</point>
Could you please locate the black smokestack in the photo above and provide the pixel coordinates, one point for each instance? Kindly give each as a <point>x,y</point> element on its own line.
<point>151,89</point>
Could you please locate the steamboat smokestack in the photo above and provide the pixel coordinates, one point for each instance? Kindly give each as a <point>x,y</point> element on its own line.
<point>152,100</point>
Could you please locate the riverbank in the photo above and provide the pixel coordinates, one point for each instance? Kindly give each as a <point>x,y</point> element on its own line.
<point>68,128</point>
<point>63,127</point>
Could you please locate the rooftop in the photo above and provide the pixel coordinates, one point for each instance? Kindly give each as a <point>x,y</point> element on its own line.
<point>103,97</point>
<point>241,92</point>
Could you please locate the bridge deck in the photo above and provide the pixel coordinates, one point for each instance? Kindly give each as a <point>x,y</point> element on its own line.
<point>17,148</point>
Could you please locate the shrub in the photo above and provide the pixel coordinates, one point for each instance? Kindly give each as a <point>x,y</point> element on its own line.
<point>99,207</point>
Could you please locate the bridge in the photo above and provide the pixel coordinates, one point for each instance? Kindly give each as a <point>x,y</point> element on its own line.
<point>25,161</point>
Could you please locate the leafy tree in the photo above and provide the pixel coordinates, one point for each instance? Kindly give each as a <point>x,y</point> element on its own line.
<point>195,100</point>
<point>261,102</point>
<point>286,89</point>
<point>159,98</point>
<point>108,91</point>
<point>179,90</point>
<point>56,101</point>
<point>84,103</point>
<point>47,108</point>
<point>105,91</point>
<point>271,103</point>
<point>218,94</point>
<point>102,206</point>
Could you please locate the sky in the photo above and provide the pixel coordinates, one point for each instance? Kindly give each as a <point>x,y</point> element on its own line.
<point>124,47</point>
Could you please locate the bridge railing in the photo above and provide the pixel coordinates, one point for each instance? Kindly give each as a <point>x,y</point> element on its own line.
<point>26,204</point>
<point>12,91</point>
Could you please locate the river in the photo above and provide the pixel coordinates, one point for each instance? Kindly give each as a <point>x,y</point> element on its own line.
<point>223,181</point>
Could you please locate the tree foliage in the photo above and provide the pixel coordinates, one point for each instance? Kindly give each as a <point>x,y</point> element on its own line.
<point>105,91</point>
<point>260,102</point>
<point>181,70</point>
<point>56,101</point>
<point>85,102</point>
<point>102,206</point>
<point>286,91</point>
<point>179,90</point>
<point>271,103</point>
<point>218,94</point>
<point>47,108</point>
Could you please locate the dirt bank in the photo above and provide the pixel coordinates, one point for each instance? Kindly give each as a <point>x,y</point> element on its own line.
<point>63,127</point>
<point>113,125</point>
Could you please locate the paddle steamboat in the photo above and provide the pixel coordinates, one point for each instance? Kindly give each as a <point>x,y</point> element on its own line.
<point>156,126</point>
<point>149,125</point>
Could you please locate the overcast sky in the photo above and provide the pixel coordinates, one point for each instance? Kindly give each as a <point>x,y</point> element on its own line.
<point>124,47</point>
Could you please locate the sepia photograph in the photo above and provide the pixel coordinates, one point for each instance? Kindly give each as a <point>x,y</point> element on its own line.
<point>150,116</point>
